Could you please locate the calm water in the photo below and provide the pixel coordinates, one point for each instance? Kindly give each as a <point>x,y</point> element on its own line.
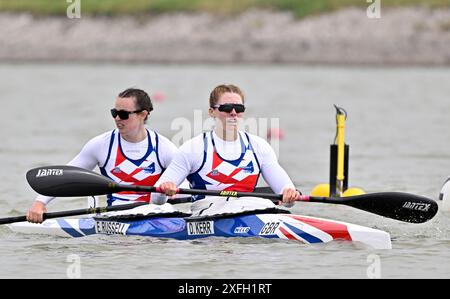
<point>398,129</point>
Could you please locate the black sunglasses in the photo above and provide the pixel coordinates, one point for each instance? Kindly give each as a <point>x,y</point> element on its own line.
<point>239,108</point>
<point>123,114</point>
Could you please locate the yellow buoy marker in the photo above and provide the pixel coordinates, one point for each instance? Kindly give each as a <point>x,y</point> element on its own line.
<point>339,164</point>
<point>322,190</point>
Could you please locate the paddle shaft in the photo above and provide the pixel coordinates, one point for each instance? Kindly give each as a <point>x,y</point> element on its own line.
<point>99,210</point>
<point>396,205</point>
<point>69,213</point>
<point>120,188</point>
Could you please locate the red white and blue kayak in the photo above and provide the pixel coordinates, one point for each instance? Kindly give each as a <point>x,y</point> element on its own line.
<point>304,229</point>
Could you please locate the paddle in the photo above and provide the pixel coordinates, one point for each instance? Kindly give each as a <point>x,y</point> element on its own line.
<point>66,181</point>
<point>100,210</point>
<point>75,212</point>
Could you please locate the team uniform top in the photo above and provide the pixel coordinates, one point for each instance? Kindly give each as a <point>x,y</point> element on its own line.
<point>140,163</point>
<point>211,163</point>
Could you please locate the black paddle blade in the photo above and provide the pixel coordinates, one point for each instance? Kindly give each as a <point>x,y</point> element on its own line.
<point>67,181</point>
<point>396,205</point>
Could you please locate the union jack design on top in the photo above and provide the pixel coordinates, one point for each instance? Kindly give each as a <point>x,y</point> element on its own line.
<point>145,171</point>
<point>217,173</point>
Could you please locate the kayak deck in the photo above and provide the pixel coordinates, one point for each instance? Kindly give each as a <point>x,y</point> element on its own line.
<point>306,229</point>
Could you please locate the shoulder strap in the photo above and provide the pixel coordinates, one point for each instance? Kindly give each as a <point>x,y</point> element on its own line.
<point>111,142</point>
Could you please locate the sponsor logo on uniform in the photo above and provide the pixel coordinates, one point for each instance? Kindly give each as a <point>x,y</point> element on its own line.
<point>228,193</point>
<point>424,207</point>
<point>150,168</point>
<point>241,230</point>
<point>196,228</point>
<point>269,228</point>
<point>49,172</point>
<point>248,169</point>
<point>111,228</point>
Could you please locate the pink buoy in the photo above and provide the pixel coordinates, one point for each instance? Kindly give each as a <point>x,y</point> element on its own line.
<point>275,133</point>
<point>158,96</point>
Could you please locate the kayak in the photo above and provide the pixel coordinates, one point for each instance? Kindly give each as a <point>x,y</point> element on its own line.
<point>267,223</point>
<point>444,195</point>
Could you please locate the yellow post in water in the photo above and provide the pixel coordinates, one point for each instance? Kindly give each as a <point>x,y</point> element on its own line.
<point>340,142</point>
<point>338,164</point>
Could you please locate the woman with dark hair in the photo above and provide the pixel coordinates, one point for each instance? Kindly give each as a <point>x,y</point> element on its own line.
<point>130,154</point>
